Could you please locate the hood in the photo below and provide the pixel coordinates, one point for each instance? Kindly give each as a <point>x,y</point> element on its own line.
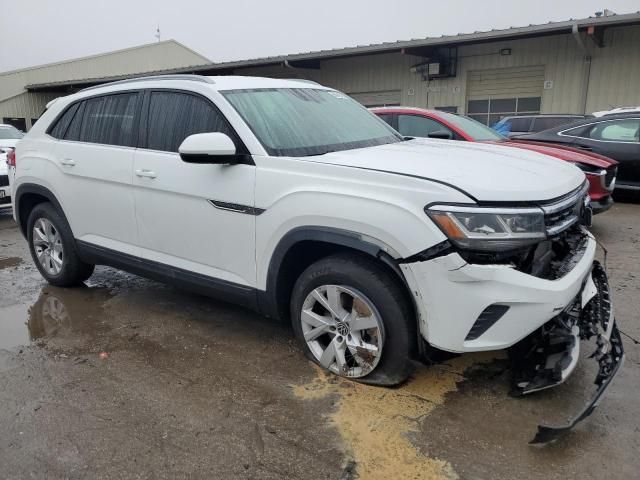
<point>486,172</point>
<point>569,154</point>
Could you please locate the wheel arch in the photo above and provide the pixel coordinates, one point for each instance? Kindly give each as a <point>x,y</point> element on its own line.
<point>28,195</point>
<point>303,246</point>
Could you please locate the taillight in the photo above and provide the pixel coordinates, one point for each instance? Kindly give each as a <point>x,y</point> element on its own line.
<point>11,158</point>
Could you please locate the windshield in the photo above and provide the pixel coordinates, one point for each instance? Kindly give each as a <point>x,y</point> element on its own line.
<point>306,121</point>
<point>476,130</point>
<point>8,132</point>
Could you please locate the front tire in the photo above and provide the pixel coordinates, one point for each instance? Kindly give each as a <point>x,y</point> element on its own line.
<point>352,318</point>
<point>53,248</point>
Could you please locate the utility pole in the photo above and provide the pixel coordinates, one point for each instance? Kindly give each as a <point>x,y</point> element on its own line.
<point>157,34</point>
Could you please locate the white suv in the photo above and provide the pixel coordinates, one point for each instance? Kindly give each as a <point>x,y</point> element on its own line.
<point>292,199</point>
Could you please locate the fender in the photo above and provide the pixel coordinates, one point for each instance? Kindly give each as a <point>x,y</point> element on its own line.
<point>268,300</point>
<point>26,188</point>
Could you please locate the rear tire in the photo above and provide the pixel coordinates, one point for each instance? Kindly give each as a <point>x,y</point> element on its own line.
<point>53,248</point>
<point>352,317</point>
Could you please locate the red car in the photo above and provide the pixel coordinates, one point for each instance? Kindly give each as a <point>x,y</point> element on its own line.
<point>417,122</point>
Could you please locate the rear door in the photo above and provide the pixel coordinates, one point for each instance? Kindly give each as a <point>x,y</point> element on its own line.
<point>194,217</point>
<point>618,139</point>
<point>92,168</point>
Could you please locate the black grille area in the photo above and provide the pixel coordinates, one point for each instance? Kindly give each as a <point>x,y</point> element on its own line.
<point>486,319</point>
<point>610,175</point>
<point>4,180</point>
<point>562,214</point>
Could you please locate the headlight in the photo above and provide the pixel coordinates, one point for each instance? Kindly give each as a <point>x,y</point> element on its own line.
<point>489,229</point>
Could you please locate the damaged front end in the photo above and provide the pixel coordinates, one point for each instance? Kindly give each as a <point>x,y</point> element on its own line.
<point>549,356</point>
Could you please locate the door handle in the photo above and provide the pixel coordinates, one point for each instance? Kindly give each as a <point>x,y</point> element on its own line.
<point>68,162</point>
<point>146,173</point>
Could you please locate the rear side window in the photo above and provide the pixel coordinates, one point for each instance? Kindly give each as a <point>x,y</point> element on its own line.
<point>617,131</point>
<point>109,120</point>
<point>545,123</point>
<point>519,124</point>
<point>174,116</point>
<point>62,124</point>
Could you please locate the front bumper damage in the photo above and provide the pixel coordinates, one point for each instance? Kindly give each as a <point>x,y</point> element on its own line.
<point>549,356</point>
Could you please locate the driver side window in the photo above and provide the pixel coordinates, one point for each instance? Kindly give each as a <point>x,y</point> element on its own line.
<point>417,126</point>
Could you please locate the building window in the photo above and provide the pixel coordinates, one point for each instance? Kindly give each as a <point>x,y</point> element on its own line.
<point>452,109</point>
<point>493,110</point>
<point>19,123</point>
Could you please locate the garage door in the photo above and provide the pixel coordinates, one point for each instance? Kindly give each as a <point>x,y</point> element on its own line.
<point>493,94</point>
<point>381,98</point>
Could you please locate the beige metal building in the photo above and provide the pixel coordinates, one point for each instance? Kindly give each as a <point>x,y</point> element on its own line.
<point>575,66</point>
<point>21,107</point>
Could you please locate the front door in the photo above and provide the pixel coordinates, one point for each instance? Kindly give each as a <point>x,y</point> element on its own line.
<point>190,216</point>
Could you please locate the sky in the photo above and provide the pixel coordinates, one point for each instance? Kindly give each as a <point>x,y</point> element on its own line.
<point>34,32</point>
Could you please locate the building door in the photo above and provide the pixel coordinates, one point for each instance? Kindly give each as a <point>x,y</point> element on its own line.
<point>497,93</point>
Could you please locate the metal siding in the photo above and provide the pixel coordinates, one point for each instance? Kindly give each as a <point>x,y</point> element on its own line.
<point>26,105</point>
<point>615,71</point>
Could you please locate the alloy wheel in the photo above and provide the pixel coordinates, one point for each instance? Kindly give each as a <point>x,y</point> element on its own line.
<point>343,330</point>
<point>47,244</point>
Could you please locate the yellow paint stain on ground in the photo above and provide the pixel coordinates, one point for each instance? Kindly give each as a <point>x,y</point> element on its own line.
<point>373,421</point>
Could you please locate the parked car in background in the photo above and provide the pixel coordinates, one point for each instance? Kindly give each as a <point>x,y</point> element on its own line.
<point>522,124</point>
<point>9,136</point>
<point>615,111</point>
<point>615,136</point>
<point>417,122</point>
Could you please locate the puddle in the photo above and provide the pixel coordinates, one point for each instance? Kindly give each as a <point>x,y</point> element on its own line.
<point>6,262</point>
<point>374,422</point>
<point>13,326</point>
<point>67,314</point>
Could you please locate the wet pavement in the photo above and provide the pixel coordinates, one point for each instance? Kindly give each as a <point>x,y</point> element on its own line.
<point>129,378</point>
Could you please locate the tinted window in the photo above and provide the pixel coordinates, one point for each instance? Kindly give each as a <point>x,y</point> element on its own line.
<point>415,126</point>
<point>62,124</point>
<point>545,123</point>
<point>109,120</point>
<point>519,124</point>
<point>73,132</point>
<point>174,116</point>
<point>387,117</point>
<point>617,131</point>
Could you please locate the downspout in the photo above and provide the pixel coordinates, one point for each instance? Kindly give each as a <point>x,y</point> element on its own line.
<point>587,72</point>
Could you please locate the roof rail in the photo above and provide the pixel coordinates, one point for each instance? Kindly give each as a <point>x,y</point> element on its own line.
<point>194,78</point>
<point>304,80</point>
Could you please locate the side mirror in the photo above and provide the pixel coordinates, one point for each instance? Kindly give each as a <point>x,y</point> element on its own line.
<point>441,134</point>
<point>208,148</point>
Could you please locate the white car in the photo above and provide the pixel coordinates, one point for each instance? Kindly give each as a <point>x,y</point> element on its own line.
<point>290,198</point>
<point>9,136</point>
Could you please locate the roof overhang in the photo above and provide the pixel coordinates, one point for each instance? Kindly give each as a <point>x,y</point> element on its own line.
<point>419,47</point>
